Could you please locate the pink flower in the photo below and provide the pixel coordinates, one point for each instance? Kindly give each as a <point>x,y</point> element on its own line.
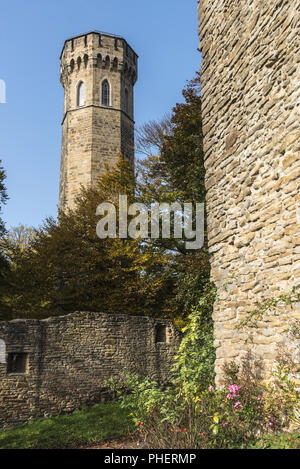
<point>238,405</point>
<point>211,388</point>
<point>225,424</point>
<point>259,398</point>
<point>229,396</point>
<point>234,389</point>
<point>258,407</point>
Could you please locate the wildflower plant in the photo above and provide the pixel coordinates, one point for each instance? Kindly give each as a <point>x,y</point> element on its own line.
<point>191,413</point>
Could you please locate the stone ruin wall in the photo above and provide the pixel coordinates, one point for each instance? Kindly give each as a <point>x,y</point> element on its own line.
<point>251,115</point>
<point>69,357</point>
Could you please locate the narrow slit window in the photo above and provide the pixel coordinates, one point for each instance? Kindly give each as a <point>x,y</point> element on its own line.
<point>126,101</point>
<point>105,93</point>
<point>81,94</point>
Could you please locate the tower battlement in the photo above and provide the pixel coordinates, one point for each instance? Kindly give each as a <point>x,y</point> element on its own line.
<point>97,47</point>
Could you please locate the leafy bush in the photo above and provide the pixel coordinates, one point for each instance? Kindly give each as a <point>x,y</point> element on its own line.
<point>191,414</point>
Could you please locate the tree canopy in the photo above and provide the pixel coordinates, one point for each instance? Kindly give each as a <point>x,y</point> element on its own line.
<point>63,266</point>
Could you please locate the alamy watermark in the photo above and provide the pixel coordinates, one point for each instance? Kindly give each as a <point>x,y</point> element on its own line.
<point>179,221</point>
<point>2,92</point>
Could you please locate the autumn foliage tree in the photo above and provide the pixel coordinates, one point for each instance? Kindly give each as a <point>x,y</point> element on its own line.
<point>64,266</point>
<point>173,170</point>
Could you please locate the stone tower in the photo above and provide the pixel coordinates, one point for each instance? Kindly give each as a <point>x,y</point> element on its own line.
<point>251,111</point>
<point>98,73</point>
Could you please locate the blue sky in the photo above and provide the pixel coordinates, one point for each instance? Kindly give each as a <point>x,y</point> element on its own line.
<point>32,33</point>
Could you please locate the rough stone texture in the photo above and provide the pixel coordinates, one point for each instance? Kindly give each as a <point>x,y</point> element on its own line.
<point>94,135</point>
<point>69,358</point>
<point>251,112</point>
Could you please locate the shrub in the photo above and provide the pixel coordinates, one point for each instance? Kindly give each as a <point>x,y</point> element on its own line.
<point>191,414</point>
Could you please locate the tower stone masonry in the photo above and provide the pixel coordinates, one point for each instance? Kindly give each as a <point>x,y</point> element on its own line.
<point>98,73</point>
<point>251,113</point>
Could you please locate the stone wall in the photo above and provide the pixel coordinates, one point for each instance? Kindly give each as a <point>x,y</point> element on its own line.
<point>68,358</point>
<point>251,114</point>
<point>94,135</point>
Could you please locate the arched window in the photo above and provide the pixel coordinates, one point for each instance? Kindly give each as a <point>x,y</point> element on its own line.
<point>105,93</point>
<point>81,94</point>
<point>99,60</point>
<point>126,101</point>
<point>107,62</point>
<point>72,65</point>
<point>115,64</point>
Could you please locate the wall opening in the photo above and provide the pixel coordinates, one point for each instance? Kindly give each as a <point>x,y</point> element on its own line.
<point>126,101</point>
<point>81,94</point>
<point>115,64</point>
<point>99,60</point>
<point>161,334</point>
<point>17,363</point>
<point>105,93</point>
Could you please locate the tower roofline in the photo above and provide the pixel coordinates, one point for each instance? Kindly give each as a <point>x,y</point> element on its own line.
<point>96,31</point>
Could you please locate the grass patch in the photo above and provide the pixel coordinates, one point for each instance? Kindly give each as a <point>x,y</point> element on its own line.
<point>87,426</point>
<point>280,441</point>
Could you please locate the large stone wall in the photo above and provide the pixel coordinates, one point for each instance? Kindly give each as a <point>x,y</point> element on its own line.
<point>251,114</point>
<point>68,359</point>
<point>94,135</point>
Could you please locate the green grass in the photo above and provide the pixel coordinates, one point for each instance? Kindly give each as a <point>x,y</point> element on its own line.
<point>98,424</point>
<point>87,426</point>
<point>280,441</point>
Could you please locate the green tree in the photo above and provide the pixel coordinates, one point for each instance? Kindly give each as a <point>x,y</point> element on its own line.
<point>3,197</point>
<point>4,265</point>
<point>63,266</point>
<point>173,170</point>
<point>66,267</point>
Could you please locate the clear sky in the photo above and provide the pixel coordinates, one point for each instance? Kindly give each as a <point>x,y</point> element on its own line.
<point>162,32</point>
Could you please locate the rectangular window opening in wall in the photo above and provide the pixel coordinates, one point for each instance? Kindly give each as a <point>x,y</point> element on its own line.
<point>161,335</point>
<point>17,363</point>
